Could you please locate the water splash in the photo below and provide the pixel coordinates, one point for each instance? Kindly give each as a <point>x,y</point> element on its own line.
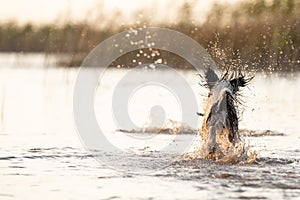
<point>170,127</point>
<point>239,153</point>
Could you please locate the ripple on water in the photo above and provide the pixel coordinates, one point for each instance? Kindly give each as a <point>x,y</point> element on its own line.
<point>266,173</point>
<point>7,158</point>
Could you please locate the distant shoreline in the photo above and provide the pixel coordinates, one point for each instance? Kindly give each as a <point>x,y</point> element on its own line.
<point>252,35</point>
<point>54,60</point>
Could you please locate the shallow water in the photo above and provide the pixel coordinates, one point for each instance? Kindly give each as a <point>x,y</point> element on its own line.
<point>41,156</point>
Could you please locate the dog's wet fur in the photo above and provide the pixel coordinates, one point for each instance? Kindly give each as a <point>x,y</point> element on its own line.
<point>220,127</point>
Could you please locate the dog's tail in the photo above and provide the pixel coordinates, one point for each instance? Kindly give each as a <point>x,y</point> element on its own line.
<point>236,80</point>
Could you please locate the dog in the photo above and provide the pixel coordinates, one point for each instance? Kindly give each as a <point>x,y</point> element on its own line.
<point>220,126</point>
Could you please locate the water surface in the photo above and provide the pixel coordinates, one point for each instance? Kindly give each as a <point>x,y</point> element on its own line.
<point>41,156</point>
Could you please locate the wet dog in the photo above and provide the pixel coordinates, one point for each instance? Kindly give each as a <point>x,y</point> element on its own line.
<point>220,127</point>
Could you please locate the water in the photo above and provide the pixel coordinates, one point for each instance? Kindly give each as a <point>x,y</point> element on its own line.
<point>41,156</point>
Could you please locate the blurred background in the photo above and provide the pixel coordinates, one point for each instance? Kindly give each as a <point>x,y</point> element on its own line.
<point>257,34</point>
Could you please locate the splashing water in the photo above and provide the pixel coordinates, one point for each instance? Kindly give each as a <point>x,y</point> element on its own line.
<point>170,127</point>
<point>239,153</point>
<point>220,137</point>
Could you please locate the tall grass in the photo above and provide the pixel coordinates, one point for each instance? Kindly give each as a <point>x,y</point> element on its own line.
<point>259,34</point>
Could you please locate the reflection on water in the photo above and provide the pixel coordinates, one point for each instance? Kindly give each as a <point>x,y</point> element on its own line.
<point>41,156</point>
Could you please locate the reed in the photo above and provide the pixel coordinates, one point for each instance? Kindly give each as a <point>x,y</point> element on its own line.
<point>257,34</point>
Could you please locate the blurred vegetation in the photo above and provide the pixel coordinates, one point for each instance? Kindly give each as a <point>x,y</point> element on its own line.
<point>259,34</point>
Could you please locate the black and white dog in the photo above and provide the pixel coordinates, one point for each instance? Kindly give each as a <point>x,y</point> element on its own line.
<point>220,131</point>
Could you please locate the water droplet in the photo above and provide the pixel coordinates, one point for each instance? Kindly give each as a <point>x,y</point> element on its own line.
<point>158,61</point>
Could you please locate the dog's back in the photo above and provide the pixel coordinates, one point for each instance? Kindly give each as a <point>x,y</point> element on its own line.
<point>220,123</point>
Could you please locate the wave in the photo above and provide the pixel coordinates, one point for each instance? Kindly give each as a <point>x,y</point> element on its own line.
<point>174,127</point>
